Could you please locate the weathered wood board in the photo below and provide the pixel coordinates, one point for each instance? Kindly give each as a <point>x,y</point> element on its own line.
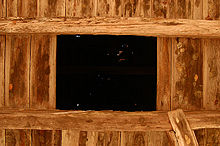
<point>184,134</point>
<point>211,48</point>
<point>3,8</point>
<point>187,74</point>
<point>17,65</point>
<point>164,61</point>
<point>43,72</point>
<point>211,9</point>
<point>18,137</point>
<point>2,70</point>
<point>51,8</point>
<point>27,8</point>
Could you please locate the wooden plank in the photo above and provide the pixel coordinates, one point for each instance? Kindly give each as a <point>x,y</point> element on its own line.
<point>160,8</point>
<point>12,10</point>
<point>43,83</point>
<point>101,120</point>
<point>2,72</point>
<point>184,134</point>
<point>197,9</point>
<point>70,137</point>
<point>103,138</point>
<point>211,9</point>
<point>187,79</point>
<point>149,138</point>
<point>184,9</point>
<point>17,138</point>
<point>114,26</point>
<point>51,8</point>
<point>172,138</point>
<point>43,72</point>
<point>17,71</point>
<point>81,8</point>
<point>131,8</point>
<point>27,8</point>
<point>211,87</point>
<point>164,46</point>
<point>211,76</point>
<point>2,137</point>
<point>3,8</point>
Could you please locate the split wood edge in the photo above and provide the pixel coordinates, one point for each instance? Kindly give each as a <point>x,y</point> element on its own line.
<point>184,135</point>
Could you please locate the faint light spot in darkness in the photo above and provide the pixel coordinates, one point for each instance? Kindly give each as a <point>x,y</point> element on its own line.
<point>77,36</point>
<point>77,104</point>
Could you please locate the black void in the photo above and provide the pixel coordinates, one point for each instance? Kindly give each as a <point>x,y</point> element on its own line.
<point>105,72</point>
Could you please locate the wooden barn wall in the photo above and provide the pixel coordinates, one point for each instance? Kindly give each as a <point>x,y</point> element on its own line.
<point>188,68</point>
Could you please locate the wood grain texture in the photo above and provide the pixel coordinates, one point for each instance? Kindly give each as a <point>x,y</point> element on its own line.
<point>17,71</point>
<point>211,48</point>
<point>51,8</point>
<point>2,70</point>
<point>147,138</point>
<point>211,9</point>
<point>46,137</point>
<point>184,134</point>
<point>187,92</point>
<point>172,138</point>
<point>114,26</point>
<point>101,120</point>
<point>81,8</point>
<point>2,137</point>
<point>12,10</point>
<point>164,61</point>
<point>27,9</point>
<point>43,72</point>
<point>70,137</point>
<point>131,8</point>
<point>18,138</point>
<point>3,8</point>
<point>197,9</point>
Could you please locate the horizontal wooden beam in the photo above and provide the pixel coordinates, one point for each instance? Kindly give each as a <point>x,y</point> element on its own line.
<point>101,120</point>
<point>113,26</point>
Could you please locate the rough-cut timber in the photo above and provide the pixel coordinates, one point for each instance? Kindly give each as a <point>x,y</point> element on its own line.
<point>184,134</point>
<point>164,46</point>
<point>17,64</point>
<point>70,137</point>
<point>102,120</point>
<point>114,26</point>
<point>2,137</point>
<point>18,137</point>
<point>3,8</point>
<point>211,9</point>
<point>43,72</point>
<point>2,70</point>
<point>51,8</point>
<point>211,76</point>
<point>27,8</point>
<point>147,138</point>
<point>46,137</point>
<point>172,138</point>
<point>187,74</point>
<point>12,8</point>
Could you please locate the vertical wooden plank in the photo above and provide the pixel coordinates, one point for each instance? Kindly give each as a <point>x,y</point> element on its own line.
<point>12,10</point>
<point>103,138</point>
<point>164,46</point>
<point>149,138</point>
<point>2,71</point>
<point>27,8</point>
<point>70,137</point>
<point>211,9</point>
<point>211,74</point>
<point>18,138</point>
<point>81,8</point>
<point>17,71</point>
<point>187,79</point>
<point>184,9</point>
<point>51,8</point>
<point>159,8</point>
<point>43,84</point>
<point>145,8</point>
<point>2,137</point>
<point>105,8</point>
<point>43,72</point>
<point>198,9</point>
<point>3,8</point>
<point>131,8</point>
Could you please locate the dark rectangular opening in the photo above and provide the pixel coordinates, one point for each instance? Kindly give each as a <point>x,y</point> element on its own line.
<point>105,72</point>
